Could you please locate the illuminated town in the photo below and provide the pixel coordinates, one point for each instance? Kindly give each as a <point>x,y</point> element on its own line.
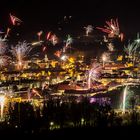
<point>52,83</point>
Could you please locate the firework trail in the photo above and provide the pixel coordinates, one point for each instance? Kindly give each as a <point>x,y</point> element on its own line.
<point>36,43</point>
<point>137,41</point>
<point>44,48</point>
<point>48,35</point>
<point>39,34</point>
<point>7,33</point>
<point>15,20</point>
<point>68,43</point>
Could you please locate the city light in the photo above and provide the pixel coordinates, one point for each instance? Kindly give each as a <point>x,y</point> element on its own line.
<point>51,123</point>
<point>64,57</point>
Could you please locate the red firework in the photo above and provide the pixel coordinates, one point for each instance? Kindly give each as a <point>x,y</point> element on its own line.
<point>112,29</point>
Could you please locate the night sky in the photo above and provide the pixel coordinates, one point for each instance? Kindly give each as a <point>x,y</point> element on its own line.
<point>48,15</point>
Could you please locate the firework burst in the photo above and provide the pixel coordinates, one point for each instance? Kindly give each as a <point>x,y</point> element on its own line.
<point>52,38</point>
<point>4,61</point>
<point>20,52</point>
<point>112,29</point>
<point>94,73</point>
<point>88,29</point>
<point>130,48</point>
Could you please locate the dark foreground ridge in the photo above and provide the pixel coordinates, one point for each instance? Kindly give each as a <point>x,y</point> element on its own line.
<point>78,133</point>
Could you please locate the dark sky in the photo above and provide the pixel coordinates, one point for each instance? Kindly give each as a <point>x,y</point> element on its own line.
<point>45,15</point>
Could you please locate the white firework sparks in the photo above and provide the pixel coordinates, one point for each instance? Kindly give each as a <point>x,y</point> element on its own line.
<point>20,52</point>
<point>94,73</point>
<point>4,61</point>
<point>68,43</point>
<point>69,40</point>
<point>88,29</point>
<point>106,57</point>
<point>110,47</point>
<point>130,49</point>
<point>3,46</point>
